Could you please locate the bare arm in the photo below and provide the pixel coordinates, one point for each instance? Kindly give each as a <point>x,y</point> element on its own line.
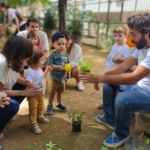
<point>25,92</point>
<point>126,65</point>
<point>125,78</point>
<point>21,80</point>
<point>56,67</point>
<point>47,70</point>
<point>17,23</point>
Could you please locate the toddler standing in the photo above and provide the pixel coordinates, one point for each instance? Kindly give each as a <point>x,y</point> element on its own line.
<point>57,59</point>
<point>35,75</point>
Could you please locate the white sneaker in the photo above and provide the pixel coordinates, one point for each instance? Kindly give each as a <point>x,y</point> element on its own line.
<point>80,86</point>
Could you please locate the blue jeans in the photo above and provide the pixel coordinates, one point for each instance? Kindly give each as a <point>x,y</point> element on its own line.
<point>11,110</point>
<point>109,94</point>
<point>8,112</point>
<point>119,109</point>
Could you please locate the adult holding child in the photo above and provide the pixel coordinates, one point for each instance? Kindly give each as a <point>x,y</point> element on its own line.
<point>11,62</point>
<point>14,16</point>
<point>137,99</point>
<point>32,24</point>
<point>75,55</point>
<point>120,51</point>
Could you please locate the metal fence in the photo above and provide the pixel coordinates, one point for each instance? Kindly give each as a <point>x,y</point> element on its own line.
<point>107,13</point>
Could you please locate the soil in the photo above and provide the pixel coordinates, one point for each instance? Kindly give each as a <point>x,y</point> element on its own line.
<point>59,128</point>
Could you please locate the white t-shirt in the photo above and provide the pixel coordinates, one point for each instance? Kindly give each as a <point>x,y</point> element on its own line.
<point>143,57</point>
<point>42,35</point>
<point>8,77</point>
<point>36,77</point>
<point>123,50</point>
<point>75,55</point>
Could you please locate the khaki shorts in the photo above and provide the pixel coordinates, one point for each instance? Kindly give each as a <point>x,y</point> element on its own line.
<point>55,85</point>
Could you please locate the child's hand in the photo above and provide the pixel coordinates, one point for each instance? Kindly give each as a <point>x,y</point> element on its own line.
<point>29,84</point>
<point>61,68</point>
<point>49,68</point>
<point>118,59</point>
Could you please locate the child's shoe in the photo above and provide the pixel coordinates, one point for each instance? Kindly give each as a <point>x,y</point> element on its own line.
<point>49,109</point>
<point>35,128</point>
<point>61,107</point>
<point>42,120</point>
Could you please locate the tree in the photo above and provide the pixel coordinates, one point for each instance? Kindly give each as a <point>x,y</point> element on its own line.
<point>62,5</point>
<point>15,3</point>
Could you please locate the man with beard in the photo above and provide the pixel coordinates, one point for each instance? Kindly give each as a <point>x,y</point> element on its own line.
<point>119,109</point>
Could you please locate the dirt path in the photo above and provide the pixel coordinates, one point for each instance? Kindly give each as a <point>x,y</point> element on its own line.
<point>58,130</point>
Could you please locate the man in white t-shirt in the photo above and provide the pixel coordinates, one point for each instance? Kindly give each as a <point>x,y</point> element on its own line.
<point>135,100</point>
<point>32,24</point>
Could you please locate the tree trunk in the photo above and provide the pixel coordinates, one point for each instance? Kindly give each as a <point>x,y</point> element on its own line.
<point>62,5</point>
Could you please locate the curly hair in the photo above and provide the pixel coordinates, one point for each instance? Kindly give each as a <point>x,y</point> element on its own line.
<point>140,22</point>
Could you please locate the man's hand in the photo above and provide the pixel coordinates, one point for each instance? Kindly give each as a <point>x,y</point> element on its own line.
<point>89,78</point>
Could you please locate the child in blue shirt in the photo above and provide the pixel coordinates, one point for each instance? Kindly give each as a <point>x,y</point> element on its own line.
<point>57,59</point>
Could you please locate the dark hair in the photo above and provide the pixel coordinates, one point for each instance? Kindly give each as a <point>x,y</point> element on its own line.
<point>68,35</point>
<point>29,20</point>
<point>140,22</point>
<point>16,49</point>
<point>33,34</point>
<point>5,5</point>
<point>37,54</point>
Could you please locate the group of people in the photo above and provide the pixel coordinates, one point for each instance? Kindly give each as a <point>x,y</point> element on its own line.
<point>119,108</point>
<point>35,55</point>
<point>125,90</point>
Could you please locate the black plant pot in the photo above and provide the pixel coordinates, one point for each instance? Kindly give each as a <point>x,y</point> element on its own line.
<point>76,127</point>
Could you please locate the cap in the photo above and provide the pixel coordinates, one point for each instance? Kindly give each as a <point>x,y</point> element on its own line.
<point>56,36</point>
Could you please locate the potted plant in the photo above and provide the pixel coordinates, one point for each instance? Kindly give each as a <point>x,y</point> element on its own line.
<point>85,66</point>
<point>76,120</point>
<point>76,19</point>
<point>50,20</point>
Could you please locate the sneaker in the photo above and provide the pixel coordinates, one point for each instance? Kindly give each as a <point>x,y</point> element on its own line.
<point>42,120</point>
<point>49,110</point>
<point>35,128</point>
<point>113,141</point>
<point>61,107</point>
<point>102,120</point>
<point>80,86</point>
